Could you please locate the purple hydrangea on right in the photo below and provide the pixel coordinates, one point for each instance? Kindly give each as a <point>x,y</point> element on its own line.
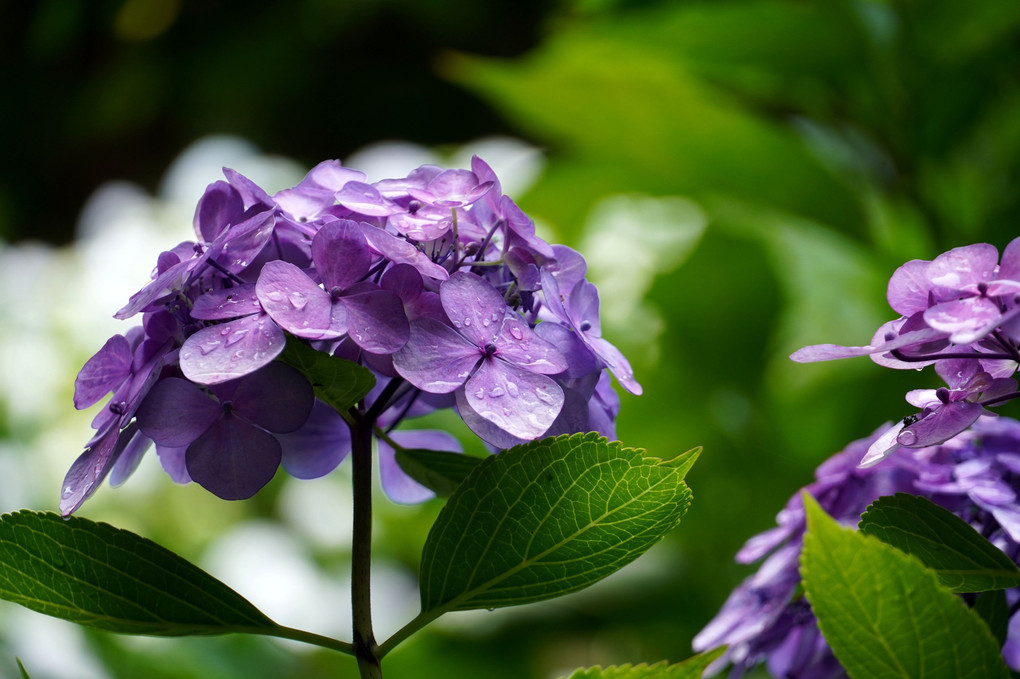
<point>766,619</point>
<point>961,313</point>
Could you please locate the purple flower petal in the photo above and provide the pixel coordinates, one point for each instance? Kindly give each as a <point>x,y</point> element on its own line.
<point>522,403</point>
<point>341,254</point>
<point>400,251</point>
<point>102,373</point>
<point>173,462</point>
<point>176,412</point>
<point>277,398</point>
<point>294,301</point>
<point>942,424</point>
<point>376,320</point>
<point>963,317</point>
<point>219,207</point>
<point>236,248</point>
<point>497,438</point>
<point>228,303</point>
<point>520,345</point>
<point>127,461</point>
<point>436,358</point>
<point>908,288</point>
<point>882,446</point>
<point>229,350</point>
<point>365,199</point>
<point>319,446</point>
<point>473,306</point>
<point>233,459</point>
<point>617,364</point>
<point>91,467</point>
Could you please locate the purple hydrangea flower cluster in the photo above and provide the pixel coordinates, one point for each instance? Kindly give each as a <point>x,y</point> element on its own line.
<point>961,313</point>
<point>976,475</point>
<point>436,282</point>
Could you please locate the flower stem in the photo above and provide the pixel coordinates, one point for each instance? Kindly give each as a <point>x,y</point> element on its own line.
<point>365,646</point>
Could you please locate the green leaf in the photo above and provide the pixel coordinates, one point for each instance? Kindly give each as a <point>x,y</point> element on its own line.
<point>97,575</point>
<point>963,560</point>
<point>336,381</point>
<point>547,518</point>
<point>884,614</point>
<point>439,471</point>
<point>692,668</point>
<point>22,670</point>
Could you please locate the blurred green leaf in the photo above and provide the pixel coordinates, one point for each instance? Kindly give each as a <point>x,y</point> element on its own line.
<point>96,575</point>
<point>692,668</point>
<point>336,381</point>
<point>547,518</point>
<point>963,560</point>
<point>886,615</point>
<point>22,670</point>
<point>439,471</point>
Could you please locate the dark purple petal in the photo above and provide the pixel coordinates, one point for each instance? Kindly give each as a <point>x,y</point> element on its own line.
<point>230,350</point>
<point>163,285</point>
<point>942,424</point>
<point>219,207</point>
<point>103,373</point>
<point>233,459</point>
<point>91,467</point>
<point>220,305</point>
<point>319,446</point>
<point>176,412</point>
<point>436,358</point>
<point>376,320</point>
<point>341,255</point>
<point>294,301</point>
<point>521,403</point>
<point>579,357</point>
<point>473,306</point>
<point>403,280</point>
<point>236,248</point>
<point>250,192</point>
<point>129,458</point>
<point>276,397</point>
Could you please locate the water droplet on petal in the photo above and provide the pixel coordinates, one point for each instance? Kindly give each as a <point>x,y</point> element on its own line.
<point>496,392</point>
<point>237,336</point>
<point>208,346</point>
<point>298,300</point>
<point>906,438</point>
<point>225,330</point>
<point>480,392</point>
<point>467,322</point>
<point>516,332</point>
<point>486,322</point>
<point>511,388</point>
<point>275,296</point>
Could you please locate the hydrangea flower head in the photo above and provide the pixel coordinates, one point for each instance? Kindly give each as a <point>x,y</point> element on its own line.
<point>976,475</point>
<point>436,282</point>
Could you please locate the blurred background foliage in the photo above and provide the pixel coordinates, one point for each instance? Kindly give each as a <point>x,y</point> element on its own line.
<point>743,176</point>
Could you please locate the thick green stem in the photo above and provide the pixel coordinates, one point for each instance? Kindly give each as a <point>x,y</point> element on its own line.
<point>365,646</point>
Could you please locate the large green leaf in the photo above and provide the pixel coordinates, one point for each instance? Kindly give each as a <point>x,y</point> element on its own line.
<point>547,518</point>
<point>692,668</point>
<point>336,381</point>
<point>884,614</point>
<point>963,560</point>
<point>97,575</point>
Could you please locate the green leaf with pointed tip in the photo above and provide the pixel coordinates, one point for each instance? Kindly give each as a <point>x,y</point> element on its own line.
<point>963,560</point>
<point>547,518</point>
<point>439,471</point>
<point>336,381</point>
<point>21,668</point>
<point>97,575</point>
<point>884,614</point>
<point>692,668</point>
